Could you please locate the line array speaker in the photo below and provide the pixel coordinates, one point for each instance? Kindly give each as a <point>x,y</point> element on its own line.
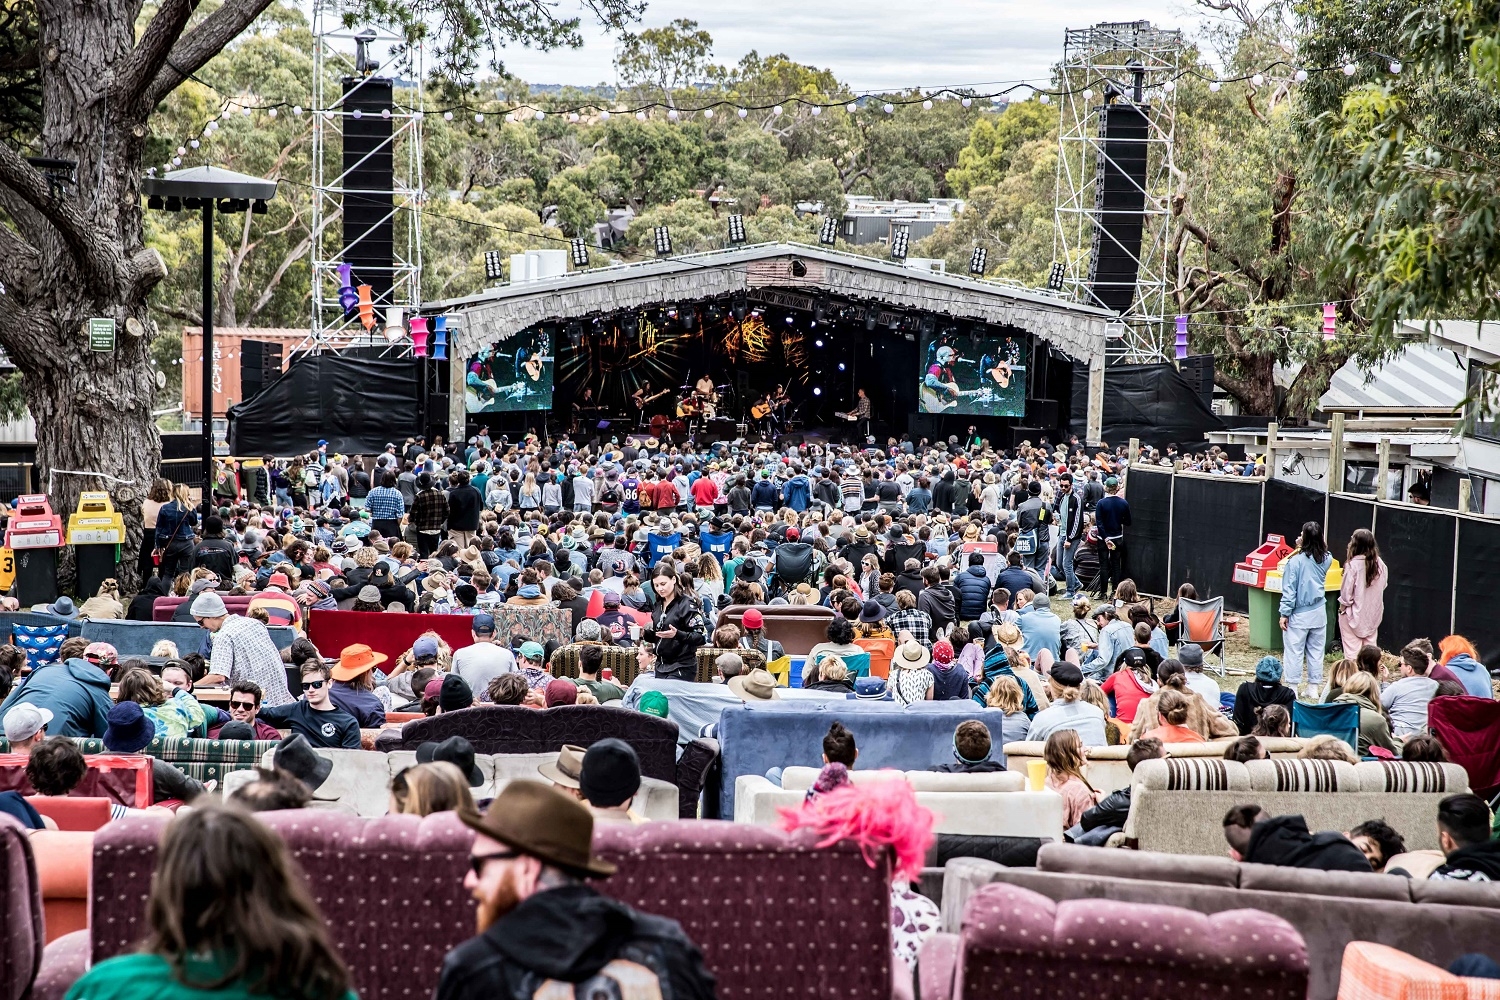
<point>260,365</point>
<point>369,180</point>
<point>1119,205</point>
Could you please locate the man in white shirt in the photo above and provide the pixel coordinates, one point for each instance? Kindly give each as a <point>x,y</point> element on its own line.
<point>1405,700</point>
<point>1190,655</point>
<point>482,662</point>
<point>1068,710</point>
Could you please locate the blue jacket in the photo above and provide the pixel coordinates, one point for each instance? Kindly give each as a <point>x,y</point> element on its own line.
<point>764,494</point>
<point>1040,630</point>
<point>1302,583</point>
<point>973,592</point>
<point>798,492</point>
<point>75,691</point>
<point>1475,678</point>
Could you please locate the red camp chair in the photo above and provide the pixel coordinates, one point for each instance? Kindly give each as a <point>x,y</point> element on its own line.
<point>1469,730</point>
<point>1203,622</point>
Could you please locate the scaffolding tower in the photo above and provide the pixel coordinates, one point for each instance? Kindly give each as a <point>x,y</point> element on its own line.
<point>333,328</point>
<point>1134,65</point>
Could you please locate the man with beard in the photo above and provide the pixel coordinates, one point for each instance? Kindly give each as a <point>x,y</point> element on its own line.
<point>541,925</point>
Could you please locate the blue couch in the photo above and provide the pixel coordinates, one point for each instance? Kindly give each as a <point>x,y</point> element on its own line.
<point>754,739</point>
<point>137,638</point>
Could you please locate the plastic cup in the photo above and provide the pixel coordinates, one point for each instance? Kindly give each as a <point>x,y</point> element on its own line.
<point>607,674</point>
<point>1036,774</point>
<point>635,633</point>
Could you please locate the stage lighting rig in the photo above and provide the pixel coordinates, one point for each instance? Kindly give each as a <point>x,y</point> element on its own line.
<point>736,230</point>
<point>580,252</point>
<point>978,261</point>
<point>663,241</point>
<point>493,265</point>
<point>828,233</point>
<point>900,238</point>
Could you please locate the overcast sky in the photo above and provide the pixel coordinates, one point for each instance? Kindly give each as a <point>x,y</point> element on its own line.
<point>873,44</point>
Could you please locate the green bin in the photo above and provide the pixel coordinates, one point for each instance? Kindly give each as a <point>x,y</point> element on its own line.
<point>1265,619</point>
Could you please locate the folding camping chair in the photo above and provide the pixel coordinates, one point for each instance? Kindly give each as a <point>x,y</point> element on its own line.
<point>1203,623</point>
<point>1340,721</point>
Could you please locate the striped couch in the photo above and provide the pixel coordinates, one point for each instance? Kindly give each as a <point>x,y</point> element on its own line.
<point>1177,804</point>
<point>197,758</point>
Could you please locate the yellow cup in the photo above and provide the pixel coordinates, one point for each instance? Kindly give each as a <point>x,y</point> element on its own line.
<point>1036,774</point>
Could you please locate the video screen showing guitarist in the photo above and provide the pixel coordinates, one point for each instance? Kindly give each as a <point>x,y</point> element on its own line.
<point>511,374</point>
<point>973,375</point>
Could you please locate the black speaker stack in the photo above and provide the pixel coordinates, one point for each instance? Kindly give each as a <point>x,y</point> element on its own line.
<point>369,177</point>
<point>1119,204</point>
<point>1197,370</point>
<point>260,365</point>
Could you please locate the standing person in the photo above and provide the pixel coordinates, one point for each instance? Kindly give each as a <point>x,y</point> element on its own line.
<point>1304,618</point>
<point>386,507</point>
<point>242,650</point>
<point>159,497</point>
<point>174,538</point>
<point>1362,597</point>
<point>1032,518</point>
<point>676,627</point>
<point>1068,515</point>
<point>229,917</point>
<point>1111,518</point>
<point>542,928</point>
<point>464,505</point>
<point>215,552</point>
<point>429,512</point>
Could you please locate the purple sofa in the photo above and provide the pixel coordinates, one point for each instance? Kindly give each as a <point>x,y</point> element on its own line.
<point>775,915</point>
<point>1020,945</point>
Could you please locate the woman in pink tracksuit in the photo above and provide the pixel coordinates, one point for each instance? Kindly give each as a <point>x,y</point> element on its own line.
<point>1362,597</point>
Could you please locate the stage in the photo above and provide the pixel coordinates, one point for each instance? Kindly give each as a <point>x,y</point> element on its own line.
<point>798,330</point>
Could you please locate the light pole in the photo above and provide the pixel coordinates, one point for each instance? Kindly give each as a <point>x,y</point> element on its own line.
<point>207,188</point>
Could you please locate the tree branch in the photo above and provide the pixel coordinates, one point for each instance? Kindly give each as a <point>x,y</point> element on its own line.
<point>94,254</point>
<point>20,264</point>
<point>1212,244</point>
<point>201,44</point>
<point>145,61</point>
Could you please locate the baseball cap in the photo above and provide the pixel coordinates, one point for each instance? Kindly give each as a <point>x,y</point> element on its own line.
<point>425,646</point>
<point>654,703</point>
<point>100,652</point>
<point>25,721</point>
<point>483,625</point>
<point>532,650</point>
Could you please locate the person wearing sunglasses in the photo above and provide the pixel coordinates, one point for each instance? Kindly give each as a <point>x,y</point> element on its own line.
<point>314,715</point>
<point>244,703</point>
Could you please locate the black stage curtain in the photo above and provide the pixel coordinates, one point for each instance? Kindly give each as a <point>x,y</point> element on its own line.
<point>1154,403</point>
<point>1150,496</point>
<point>1216,522</point>
<point>1417,544</point>
<point>1478,583</point>
<point>355,404</point>
<point>1345,515</point>
<point>1288,507</point>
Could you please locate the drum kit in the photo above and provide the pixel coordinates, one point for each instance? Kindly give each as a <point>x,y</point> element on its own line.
<point>696,404</point>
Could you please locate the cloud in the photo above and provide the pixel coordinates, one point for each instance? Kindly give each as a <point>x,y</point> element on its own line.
<point>876,44</point>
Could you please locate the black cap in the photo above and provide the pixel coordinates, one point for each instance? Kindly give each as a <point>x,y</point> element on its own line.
<point>455,694</point>
<point>1067,674</point>
<point>611,773</point>
<point>455,750</point>
<point>236,731</point>
<point>296,756</point>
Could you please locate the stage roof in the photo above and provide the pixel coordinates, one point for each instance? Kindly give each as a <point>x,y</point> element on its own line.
<point>498,313</point>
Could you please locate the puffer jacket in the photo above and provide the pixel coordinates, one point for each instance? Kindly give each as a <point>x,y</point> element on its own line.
<point>973,592</point>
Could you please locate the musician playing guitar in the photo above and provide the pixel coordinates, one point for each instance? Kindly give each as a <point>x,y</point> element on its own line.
<point>533,366</point>
<point>940,378</point>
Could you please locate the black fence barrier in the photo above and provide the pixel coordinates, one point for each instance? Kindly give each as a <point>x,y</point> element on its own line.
<point>1215,522</point>
<point>1444,566</point>
<point>1150,517</point>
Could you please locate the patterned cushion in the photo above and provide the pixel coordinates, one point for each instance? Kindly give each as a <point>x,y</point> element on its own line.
<point>1292,774</point>
<point>1019,944</point>
<point>620,660</point>
<point>197,758</point>
<point>1192,774</point>
<point>39,642</point>
<point>708,656</point>
<point>1411,776</point>
<point>20,912</point>
<point>1379,972</point>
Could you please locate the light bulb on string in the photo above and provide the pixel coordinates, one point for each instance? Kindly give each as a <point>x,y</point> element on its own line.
<point>447,116</point>
<point>851,108</point>
<point>640,116</point>
<point>297,110</point>
<point>672,114</point>
<point>572,116</point>
<point>1258,79</point>
<point>1214,86</point>
<point>194,144</point>
<point>176,161</point>
<point>271,112</point>
<point>888,108</point>
<point>1396,66</point>
<point>1002,99</point>
<point>1300,76</point>
<point>1168,87</point>
<point>776,111</point>
<point>604,114</point>
<point>358,113</point>
<point>966,102</point>
<point>816,110</point>
<point>478,117</point>
<point>927,105</point>
<point>181,150</point>
<point>1350,69</point>
<point>540,115</point>
<point>708,112</point>
<point>1088,94</point>
<point>245,112</point>
<point>1045,98</point>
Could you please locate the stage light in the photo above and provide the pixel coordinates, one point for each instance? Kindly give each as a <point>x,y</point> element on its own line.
<point>818,343</point>
<point>820,311</point>
<point>841,366</point>
<point>1180,346</point>
<point>663,241</point>
<point>630,326</point>
<point>419,336</point>
<point>688,318</point>
<point>493,267</point>
<point>828,233</point>
<point>575,334</point>
<point>174,204</point>
<point>155,202</point>
<point>580,251</point>
<point>789,319</point>
<point>871,317</point>
<point>927,325</point>
<point>1055,276</point>
<point>738,309</point>
<point>900,237</point>
<point>978,260</point>
<point>736,229</point>
<point>799,269</point>
<point>440,338</point>
<point>817,390</point>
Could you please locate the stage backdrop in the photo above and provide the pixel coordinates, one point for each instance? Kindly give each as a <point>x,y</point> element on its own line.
<point>984,377</point>
<point>511,374</point>
<point>356,404</point>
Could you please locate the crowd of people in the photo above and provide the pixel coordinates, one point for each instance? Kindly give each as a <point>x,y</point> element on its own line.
<point>940,561</point>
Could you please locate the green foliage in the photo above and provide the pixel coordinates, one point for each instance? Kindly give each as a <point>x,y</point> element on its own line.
<point>994,142</point>
<point>663,60</point>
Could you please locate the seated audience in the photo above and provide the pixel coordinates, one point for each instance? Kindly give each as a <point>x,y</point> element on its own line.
<point>1246,748</point>
<point>1325,746</point>
<point>56,766</point>
<point>1273,721</point>
<point>437,786</point>
<point>1068,710</point>
<point>1423,748</point>
<point>608,781</point>
<point>1459,655</point>
<point>1259,838</point>
<point>1099,823</point>
<point>910,680</point>
<point>229,916</point>
<point>314,715</point>
<point>950,679</point>
<point>1464,832</point>
<point>1190,655</point>
<point>560,691</point>
<point>1203,717</point>
<point>971,751</point>
<point>839,746</point>
<point>1264,691</point>
<point>1131,684</point>
<point>833,676</point>
<point>273,789</point>
<point>1064,755</point>
<point>1172,716</point>
<point>419,679</point>
<point>454,694</point>
<point>174,716</point>
<point>590,662</point>
<point>485,658</point>
<point>1005,694</point>
<point>73,689</point>
<point>533,665</point>
<point>1405,699</point>
<point>507,689</point>
<point>26,726</point>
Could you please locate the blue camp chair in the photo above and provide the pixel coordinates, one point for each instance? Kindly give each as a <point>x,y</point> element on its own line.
<point>1340,721</point>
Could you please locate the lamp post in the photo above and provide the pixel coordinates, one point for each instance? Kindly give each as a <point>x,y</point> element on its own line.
<point>208,188</point>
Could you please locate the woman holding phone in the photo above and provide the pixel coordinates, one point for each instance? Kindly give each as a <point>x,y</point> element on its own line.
<point>676,627</point>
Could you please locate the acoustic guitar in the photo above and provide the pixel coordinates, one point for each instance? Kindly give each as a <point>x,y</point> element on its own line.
<point>932,402</point>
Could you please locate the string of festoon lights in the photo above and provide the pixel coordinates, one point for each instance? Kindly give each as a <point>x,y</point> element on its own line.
<point>875,102</point>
